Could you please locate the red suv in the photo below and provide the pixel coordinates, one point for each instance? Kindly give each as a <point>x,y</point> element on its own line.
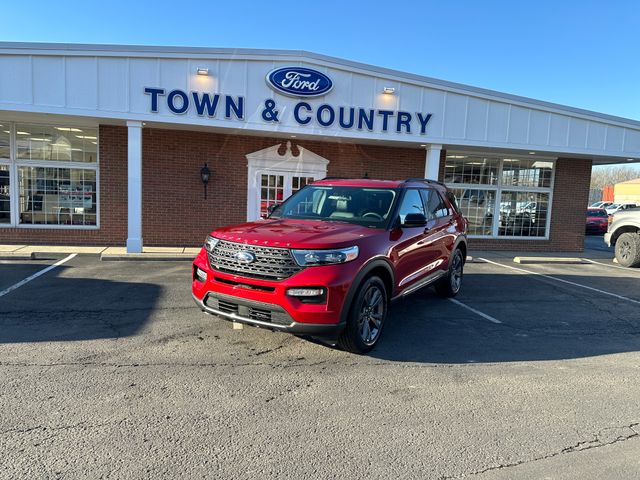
<point>328,261</point>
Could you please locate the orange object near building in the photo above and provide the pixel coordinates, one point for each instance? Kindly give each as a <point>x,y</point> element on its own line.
<point>607,193</point>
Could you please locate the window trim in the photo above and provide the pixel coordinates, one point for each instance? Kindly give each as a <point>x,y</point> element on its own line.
<point>498,188</point>
<point>14,190</point>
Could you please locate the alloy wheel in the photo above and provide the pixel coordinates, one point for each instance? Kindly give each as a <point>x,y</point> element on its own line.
<point>625,250</point>
<point>456,273</point>
<point>371,315</point>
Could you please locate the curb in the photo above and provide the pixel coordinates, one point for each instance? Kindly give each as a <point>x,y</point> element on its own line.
<point>44,255</point>
<point>558,260</point>
<point>471,259</point>
<point>147,257</point>
<point>17,256</point>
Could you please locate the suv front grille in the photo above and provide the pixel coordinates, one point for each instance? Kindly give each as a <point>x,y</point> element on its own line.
<point>248,309</point>
<point>270,264</point>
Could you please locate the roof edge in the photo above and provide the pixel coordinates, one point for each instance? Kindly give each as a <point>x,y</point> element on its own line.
<point>182,50</point>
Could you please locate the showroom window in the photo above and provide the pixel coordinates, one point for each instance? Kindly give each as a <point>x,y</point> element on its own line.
<point>48,176</point>
<point>502,196</point>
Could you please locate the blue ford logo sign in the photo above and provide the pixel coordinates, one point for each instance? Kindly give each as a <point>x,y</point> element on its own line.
<point>299,81</point>
<point>245,257</point>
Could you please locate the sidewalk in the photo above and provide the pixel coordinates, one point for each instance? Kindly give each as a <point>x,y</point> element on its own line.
<point>594,249</point>
<point>105,253</point>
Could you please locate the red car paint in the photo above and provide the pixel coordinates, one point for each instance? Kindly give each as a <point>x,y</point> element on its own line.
<point>597,220</point>
<point>405,257</point>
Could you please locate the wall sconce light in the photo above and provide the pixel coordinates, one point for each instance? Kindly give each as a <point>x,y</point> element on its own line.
<point>203,71</point>
<point>205,174</point>
<point>389,90</point>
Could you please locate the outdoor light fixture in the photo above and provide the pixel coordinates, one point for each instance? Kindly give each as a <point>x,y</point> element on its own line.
<point>205,174</point>
<point>389,90</point>
<point>203,71</point>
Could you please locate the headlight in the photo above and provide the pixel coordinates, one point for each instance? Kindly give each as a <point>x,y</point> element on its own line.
<point>306,258</point>
<point>210,243</point>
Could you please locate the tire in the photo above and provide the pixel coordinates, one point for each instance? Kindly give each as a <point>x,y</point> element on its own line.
<point>628,249</point>
<point>449,285</point>
<point>367,314</point>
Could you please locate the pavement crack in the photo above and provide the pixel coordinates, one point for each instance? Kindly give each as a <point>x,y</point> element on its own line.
<point>595,442</point>
<point>42,428</point>
<point>268,350</point>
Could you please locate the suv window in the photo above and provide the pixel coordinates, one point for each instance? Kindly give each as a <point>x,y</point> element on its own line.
<point>434,204</point>
<point>452,200</point>
<point>411,203</point>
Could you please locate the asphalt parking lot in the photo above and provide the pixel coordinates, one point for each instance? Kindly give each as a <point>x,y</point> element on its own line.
<point>109,370</point>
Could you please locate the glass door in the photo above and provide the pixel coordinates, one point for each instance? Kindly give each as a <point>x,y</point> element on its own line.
<point>277,186</point>
<point>271,191</point>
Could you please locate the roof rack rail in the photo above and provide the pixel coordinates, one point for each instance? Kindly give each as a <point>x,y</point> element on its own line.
<point>424,180</point>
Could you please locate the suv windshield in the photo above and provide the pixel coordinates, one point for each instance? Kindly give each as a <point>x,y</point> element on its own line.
<point>370,207</point>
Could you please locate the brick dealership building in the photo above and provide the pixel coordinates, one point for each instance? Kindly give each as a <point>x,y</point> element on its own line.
<point>107,145</point>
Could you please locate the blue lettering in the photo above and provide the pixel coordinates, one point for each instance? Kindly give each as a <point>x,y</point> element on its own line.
<point>385,118</point>
<point>404,118</point>
<point>154,92</point>
<point>205,102</point>
<point>321,110</point>
<point>344,124</point>
<point>362,118</point>
<point>423,122</point>
<point>296,113</point>
<point>172,103</point>
<point>238,108</point>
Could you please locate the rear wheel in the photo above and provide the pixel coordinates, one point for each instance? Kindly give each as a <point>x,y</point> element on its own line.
<point>628,249</point>
<point>449,285</point>
<point>366,317</point>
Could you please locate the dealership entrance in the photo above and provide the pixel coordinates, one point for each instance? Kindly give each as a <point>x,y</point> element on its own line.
<point>273,176</point>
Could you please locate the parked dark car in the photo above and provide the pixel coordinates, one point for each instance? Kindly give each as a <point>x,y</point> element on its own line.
<point>597,220</point>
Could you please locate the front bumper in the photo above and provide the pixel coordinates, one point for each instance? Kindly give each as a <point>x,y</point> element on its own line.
<point>250,300</point>
<point>597,228</point>
<point>607,239</point>
<point>279,321</point>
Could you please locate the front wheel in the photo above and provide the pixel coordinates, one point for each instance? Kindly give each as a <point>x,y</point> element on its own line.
<point>628,249</point>
<point>449,285</point>
<point>366,317</point>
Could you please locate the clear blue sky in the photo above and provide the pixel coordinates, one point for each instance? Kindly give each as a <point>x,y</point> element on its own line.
<point>582,53</point>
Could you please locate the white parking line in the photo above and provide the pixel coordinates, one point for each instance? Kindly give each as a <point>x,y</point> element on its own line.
<point>630,270</point>
<point>36,275</point>
<point>477,312</point>
<point>603,292</point>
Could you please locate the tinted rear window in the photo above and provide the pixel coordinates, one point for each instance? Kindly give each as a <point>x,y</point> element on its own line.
<point>596,213</point>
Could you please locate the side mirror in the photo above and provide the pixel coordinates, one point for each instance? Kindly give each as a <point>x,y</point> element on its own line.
<point>414,220</point>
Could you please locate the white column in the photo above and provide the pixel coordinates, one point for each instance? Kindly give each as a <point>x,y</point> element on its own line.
<point>134,199</point>
<point>432,162</point>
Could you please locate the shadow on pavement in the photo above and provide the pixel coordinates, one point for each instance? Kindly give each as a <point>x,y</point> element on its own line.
<point>540,321</point>
<point>55,308</point>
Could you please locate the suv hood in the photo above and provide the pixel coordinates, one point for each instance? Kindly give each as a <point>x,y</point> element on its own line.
<point>296,233</point>
<point>632,214</point>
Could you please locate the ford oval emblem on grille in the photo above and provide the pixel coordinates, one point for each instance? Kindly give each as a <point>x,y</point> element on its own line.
<point>299,81</point>
<point>244,256</point>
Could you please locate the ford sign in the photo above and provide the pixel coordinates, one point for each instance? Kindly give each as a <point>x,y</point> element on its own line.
<point>245,257</point>
<point>299,81</point>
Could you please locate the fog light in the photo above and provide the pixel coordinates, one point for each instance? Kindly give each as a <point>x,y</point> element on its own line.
<point>201,274</point>
<point>305,292</point>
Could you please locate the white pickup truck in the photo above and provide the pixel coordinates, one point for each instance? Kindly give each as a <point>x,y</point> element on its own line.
<point>624,235</point>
